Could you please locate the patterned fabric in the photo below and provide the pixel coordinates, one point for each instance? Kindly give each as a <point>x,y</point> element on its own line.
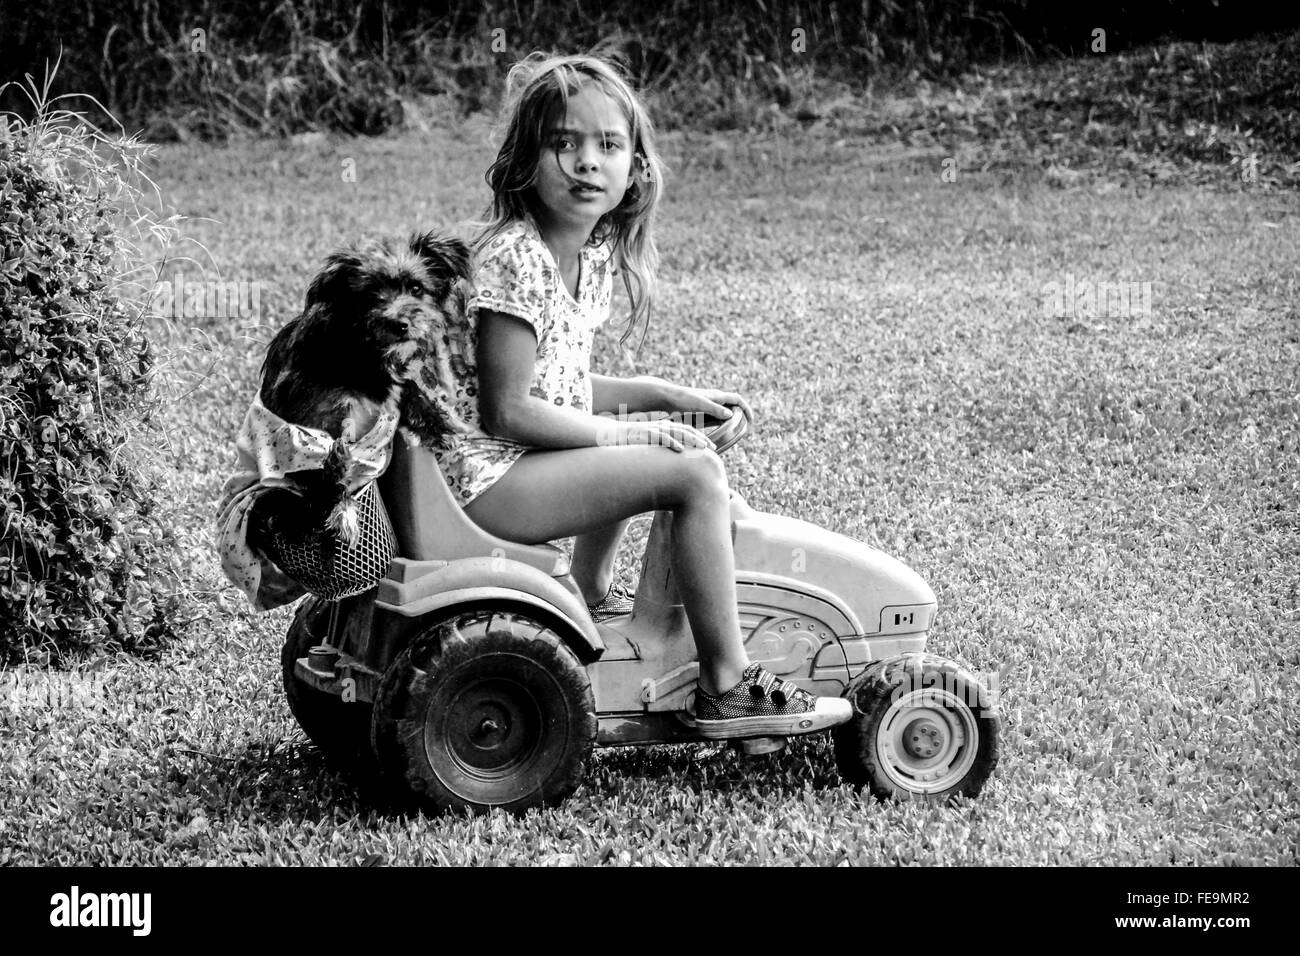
<point>617,601</point>
<point>759,694</point>
<point>517,275</point>
<point>269,449</point>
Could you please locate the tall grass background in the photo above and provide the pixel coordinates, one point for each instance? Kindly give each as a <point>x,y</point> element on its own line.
<point>198,68</point>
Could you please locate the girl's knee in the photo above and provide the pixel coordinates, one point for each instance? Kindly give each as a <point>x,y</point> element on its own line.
<point>702,473</point>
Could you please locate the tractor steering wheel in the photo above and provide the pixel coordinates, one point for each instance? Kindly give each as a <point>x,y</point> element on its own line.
<point>726,432</point>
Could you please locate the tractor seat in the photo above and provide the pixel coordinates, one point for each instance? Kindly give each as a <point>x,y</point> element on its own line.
<point>430,525</point>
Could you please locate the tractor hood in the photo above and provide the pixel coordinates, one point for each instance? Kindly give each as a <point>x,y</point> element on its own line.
<point>876,592</point>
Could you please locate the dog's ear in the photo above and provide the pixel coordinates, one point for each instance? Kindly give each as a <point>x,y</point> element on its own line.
<point>446,258</point>
<point>337,283</point>
<point>274,365</point>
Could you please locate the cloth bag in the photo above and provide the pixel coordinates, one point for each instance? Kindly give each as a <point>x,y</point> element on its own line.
<point>269,449</point>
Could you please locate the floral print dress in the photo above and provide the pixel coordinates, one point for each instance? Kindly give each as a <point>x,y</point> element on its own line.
<point>516,274</point>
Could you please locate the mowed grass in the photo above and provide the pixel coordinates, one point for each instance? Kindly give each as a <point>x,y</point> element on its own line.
<point>1105,506</point>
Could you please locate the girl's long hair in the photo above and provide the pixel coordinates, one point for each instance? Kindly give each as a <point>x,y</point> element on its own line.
<point>537,95</point>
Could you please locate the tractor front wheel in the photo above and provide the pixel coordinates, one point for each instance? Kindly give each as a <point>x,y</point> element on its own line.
<point>923,728</point>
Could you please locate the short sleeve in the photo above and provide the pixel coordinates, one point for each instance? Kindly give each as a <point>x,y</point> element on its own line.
<point>510,277</point>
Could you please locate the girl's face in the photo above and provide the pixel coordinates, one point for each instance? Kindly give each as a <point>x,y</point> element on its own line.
<point>585,166</point>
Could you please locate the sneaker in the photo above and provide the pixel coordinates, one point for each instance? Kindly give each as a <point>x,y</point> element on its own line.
<point>763,706</point>
<point>616,602</point>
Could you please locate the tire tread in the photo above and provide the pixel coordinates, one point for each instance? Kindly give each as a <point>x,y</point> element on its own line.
<point>854,742</point>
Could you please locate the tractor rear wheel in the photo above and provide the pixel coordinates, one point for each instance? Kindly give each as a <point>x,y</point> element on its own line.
<point>487,708</point>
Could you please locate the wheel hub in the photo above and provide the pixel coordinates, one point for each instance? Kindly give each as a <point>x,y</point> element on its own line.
<point>928,739</point>
<point>923,738</point>
<point>493,726</point>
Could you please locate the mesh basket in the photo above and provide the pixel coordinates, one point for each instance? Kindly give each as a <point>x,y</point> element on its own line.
<point>328,568</point>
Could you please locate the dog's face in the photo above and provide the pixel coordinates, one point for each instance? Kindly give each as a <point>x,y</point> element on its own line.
<point>369,312</point>
<point>391,298</point>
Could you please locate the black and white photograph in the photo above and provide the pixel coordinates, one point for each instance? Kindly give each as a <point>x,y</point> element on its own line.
<point>725,433</point>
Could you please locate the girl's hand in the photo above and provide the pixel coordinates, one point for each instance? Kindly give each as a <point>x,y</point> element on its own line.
<point>661,431</point>
<point>710,401</point>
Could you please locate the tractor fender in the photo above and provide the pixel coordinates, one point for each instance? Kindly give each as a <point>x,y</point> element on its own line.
<point>491,580</point>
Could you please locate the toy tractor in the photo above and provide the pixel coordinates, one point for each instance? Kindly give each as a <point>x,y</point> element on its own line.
<point>474,676</point>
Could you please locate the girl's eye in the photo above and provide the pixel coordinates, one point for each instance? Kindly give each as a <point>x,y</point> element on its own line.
<point>563,142</point>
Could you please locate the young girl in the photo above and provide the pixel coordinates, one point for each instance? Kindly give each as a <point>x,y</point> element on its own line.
<point>574,191</point>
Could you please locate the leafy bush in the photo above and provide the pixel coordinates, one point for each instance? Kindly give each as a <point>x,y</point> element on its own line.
<point>85,563</point>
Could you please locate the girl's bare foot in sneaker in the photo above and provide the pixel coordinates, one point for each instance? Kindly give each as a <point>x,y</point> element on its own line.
<point>617,601</point>
<point>763,706</point>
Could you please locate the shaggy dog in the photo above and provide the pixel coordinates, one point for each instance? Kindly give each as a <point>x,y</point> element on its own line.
<point>369,314</point>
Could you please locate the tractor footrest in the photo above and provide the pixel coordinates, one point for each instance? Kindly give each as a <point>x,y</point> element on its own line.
<point>347,677</point>
<point>753,746</point>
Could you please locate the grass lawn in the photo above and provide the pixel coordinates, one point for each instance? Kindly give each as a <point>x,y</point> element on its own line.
<point>1105,505</point>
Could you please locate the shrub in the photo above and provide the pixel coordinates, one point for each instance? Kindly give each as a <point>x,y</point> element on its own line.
<point>85,563</point>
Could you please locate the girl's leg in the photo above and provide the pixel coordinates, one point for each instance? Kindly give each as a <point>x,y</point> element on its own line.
<point>554,494</point>
<point>592,566</point>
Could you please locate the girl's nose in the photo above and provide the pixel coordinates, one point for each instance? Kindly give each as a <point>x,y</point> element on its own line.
<point>588,160</point>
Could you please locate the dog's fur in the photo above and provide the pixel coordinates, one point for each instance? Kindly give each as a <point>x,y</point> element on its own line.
<point>369,313</point>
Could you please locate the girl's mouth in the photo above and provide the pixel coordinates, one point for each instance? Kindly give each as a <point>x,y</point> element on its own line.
<point>585,189</point>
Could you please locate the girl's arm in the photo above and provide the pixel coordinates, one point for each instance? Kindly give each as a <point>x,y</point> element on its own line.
<point>647,393</point>
<point>507,351</point>
<point>642,393</point>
